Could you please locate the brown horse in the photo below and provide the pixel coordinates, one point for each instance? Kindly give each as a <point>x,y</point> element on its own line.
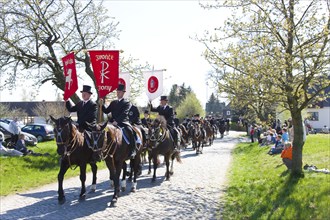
<point>162,143</point>
<point>73,149</point>
<point>209,132</point>
<point>197,137</point>
<point>115,151</point>
<point>184,135</point>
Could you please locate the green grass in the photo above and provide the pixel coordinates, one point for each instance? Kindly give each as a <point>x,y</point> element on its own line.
<point>18,174</point>
<point>261,188</point>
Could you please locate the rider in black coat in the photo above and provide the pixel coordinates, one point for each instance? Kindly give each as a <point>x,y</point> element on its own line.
<point>167,111</point>
<point>86,109</point>
<point>119,110</point>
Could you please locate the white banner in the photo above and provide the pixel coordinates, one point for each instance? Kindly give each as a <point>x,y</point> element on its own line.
<point>153,83</point>
<point>124,78</point>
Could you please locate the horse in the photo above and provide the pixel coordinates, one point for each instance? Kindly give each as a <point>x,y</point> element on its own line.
<point>115,151</point>
<point>72,148</point>
<point>209,132</point>
<point>222,127</point>
<point>184,135</point>
<point>162,143</point>
<point>197,137</point>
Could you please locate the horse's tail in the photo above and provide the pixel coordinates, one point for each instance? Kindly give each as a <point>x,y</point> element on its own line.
<point>176,155</point>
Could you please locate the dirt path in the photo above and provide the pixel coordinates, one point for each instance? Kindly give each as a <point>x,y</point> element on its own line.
<point>194,192</point>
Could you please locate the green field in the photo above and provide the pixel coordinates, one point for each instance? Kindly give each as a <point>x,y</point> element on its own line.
<point>260,186</point>
<point>21,173</point>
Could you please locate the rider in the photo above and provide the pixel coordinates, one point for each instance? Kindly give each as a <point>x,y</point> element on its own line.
<point>146,120</point>
<point>167,111</point>
<point>119,110</point>
<point>86,109</point>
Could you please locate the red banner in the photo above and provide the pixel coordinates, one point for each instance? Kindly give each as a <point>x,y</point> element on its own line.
<point>70,75</point>
<point>105,65</point>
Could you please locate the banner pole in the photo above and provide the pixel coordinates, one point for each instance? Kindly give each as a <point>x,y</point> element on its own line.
<point>100,110</point>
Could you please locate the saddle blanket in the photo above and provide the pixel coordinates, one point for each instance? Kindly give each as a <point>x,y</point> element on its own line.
<point>138,139</point>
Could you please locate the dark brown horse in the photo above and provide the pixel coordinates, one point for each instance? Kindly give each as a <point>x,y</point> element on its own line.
<point>74,151</point>
<point>184,135</point>
<point>197,137</point>
<point>162,143</point>
<point>115,152</point>
<point>209,132</point>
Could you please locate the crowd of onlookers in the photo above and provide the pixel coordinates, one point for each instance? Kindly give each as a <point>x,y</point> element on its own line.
<point>279,137</point>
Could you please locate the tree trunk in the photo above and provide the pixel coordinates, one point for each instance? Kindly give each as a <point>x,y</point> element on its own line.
<point>298,142</point>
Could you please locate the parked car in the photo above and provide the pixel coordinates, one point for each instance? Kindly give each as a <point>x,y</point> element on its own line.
<point>43,132</point>
<point>30,139</point>
<point>7,121</point>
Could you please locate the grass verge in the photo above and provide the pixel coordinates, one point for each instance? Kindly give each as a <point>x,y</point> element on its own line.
<point>18,174</point>
<point>260,186</point>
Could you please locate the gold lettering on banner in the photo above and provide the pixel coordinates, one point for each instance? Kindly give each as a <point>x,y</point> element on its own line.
<point>104,57</point>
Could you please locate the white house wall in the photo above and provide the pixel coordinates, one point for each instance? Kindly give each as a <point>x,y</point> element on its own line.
<point>324,117</point>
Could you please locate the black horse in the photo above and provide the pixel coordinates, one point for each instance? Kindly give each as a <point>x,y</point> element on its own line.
<point>74,151</point>
<point>162,143</point>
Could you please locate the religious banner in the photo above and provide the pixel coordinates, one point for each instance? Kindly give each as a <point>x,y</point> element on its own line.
<point>70,75</point>
<point>105,65</point>
<point>124,78</point>
<point>153,83</point>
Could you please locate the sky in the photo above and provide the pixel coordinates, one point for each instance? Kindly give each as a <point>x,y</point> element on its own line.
<point>158,32</point>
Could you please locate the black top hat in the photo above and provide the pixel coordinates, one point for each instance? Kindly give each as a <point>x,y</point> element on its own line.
<point>163,97</point>
<point>146,112</point>
<point>87,88</point>
<point>121,87</point>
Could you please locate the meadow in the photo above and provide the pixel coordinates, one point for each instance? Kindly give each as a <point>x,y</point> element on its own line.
<point>260,186</point>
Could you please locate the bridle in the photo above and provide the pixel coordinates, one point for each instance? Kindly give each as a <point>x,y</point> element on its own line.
<point>160,138</point>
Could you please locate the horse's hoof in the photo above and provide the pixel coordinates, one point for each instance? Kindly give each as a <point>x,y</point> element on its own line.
<point>167,179</point>
<point>129,179</point>
<point>82,197</point>
<point>171,173</point>
<point>149,172</point>
<point>113,203</point>
<point>91,191</point>
<point>61,201</point>
<point>123,189</point>
<point>133,190</point>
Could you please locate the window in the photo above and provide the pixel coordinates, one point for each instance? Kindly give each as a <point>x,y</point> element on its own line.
<point>313,116</point>
<point>228,112</point>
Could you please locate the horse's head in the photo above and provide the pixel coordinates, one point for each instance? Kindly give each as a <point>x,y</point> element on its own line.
<point>95,135</point>
<point>62,130</point>
<point>156,130</point>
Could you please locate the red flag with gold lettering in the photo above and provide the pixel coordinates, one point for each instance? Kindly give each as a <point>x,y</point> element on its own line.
<point>105,65</point>
<point>70,75</point>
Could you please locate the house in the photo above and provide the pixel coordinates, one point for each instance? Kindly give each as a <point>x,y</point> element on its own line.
<point>49,107</point>
<point>319,113</point>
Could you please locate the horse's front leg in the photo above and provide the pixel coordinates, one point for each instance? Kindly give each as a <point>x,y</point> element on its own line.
<point>82,180</point>
<point>60,177</point>
<point>167,162</point>
<point>116,176</point>
<point>149,160</point>
<point>154,158</point>
<point>136,167</point>
<point>123,180</point>
<point>94,171</point>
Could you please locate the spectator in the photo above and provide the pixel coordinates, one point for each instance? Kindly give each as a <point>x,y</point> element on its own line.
<point>278,147</point>
<point>286,155</point>
<point>285,135</point>
<point>252,134</point>
<point>15,130</point>
<point>20,145</point>
<point>7,152</point>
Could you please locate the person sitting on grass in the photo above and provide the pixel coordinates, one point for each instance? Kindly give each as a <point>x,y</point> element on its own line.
<point>7,152</point>
<point>20,146</point>
<point>278,147</point>
<point>286,155</point>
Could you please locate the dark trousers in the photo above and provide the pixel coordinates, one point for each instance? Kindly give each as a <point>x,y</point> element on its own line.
<point>14,138</point>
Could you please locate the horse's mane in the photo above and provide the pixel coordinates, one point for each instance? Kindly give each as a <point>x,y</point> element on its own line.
<point>161,120</point>
<point>77,136</point>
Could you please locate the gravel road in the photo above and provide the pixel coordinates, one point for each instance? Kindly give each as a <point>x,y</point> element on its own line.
<point>194,192</point>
